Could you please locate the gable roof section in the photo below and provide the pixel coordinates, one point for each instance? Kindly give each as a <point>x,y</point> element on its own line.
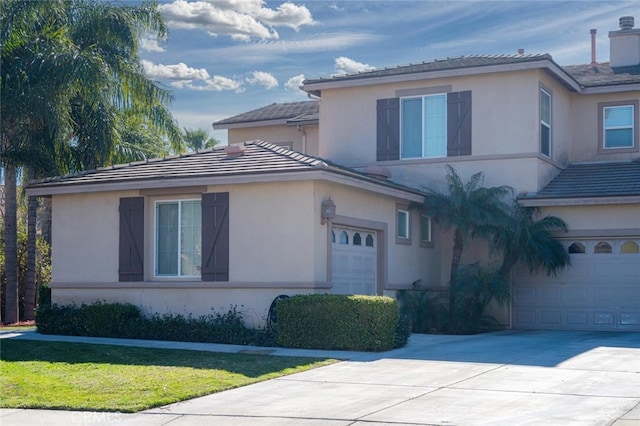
<point>259,162</point>
<point>592,181</point>
<point>304,112</point>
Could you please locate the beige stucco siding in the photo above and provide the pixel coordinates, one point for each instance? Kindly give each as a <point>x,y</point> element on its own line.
<point>598,220</point>
<point>585,115</point>
<point>85,237</point>
<point>303,139</point>
<point>502,123</point>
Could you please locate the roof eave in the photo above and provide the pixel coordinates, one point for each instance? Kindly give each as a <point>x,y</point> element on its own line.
<point>611,88</point>
<point>578,201</point>
<point>316,87</point>
<point>253,123</point>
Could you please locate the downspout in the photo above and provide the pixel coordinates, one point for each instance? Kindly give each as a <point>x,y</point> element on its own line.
<point>304,138</point>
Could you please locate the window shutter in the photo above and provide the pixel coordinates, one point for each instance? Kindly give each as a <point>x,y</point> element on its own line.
<point>458,123</point>
<point>215,236</point>
<point>131,256</point>
<point>388,129</point>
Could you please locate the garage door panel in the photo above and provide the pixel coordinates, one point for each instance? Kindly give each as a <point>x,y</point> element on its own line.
<point>353,269</point>
<point>600,291</point>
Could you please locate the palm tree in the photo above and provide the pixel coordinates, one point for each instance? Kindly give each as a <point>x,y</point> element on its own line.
<point>529,240</point>
<point>197,139</point>
<point>74,69</point>
<point>472,211</point>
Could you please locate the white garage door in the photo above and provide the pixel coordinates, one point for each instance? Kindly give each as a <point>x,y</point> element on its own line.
<point>599,291</point>
<point>353,261</point>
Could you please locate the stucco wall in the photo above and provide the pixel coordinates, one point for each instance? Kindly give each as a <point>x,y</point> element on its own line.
<point>600,219</point>
<point>585,125</point>
<point>279,134</point>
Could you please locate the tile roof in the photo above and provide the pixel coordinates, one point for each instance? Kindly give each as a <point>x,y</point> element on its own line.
<point>259,158</point>
<point>603,75</point>
<point>471,61</point>
<point>587,180</point>
<point>282,111</point>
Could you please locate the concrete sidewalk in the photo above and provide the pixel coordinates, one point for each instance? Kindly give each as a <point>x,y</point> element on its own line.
<point>505,378</point>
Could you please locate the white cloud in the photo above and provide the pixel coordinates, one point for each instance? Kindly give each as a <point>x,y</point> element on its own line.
<point>265,79</point>
<point>175,72</point>
<point>151,44</point>
<point>216,83</point>
<point>295,82</point>
<point>239,19</point>
<point>346,65</point>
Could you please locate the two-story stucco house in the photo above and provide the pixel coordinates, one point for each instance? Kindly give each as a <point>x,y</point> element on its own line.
<point>313,196</point>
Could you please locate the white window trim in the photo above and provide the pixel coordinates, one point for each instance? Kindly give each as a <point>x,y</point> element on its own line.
<point>155,239</point>
<point>548,125</point>
<point>422,145</point>
<point>429,242</point>
<point>400,239</point>
<point>635,147</point>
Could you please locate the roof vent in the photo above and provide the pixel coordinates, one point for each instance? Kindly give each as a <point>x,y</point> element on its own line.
<point>594,62</point>
<point>520,52</point>
<point>377,172</point>
<point>626,23</point>
<point>234,151</point>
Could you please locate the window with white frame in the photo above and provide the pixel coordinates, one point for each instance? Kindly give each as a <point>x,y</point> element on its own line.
<point>618,126</point>
<point>426,238</point>
<point>403,226</point>
<point>618,123</point>
<point>178,234</point>
<point>423,127</point>
<point>545,123</point>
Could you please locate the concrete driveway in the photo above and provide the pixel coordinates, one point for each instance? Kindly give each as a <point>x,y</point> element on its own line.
<point>505,378</point>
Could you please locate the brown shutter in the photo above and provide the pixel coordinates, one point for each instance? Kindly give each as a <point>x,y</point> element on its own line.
<point>458,123</point>
<point>388,129</point>
<point>215,236</point>
<point>131,259</point>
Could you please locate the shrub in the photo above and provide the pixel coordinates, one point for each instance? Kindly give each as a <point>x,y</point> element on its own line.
<point>102,319</point>
<point>324,321</point>
<point>426,310</point>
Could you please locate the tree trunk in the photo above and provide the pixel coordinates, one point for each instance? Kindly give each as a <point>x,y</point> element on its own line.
<point>458,247</point>
<point>46,220</point>
<point>11,245</point>
<point>30,282</point>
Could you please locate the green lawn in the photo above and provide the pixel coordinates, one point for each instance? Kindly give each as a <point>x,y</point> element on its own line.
<point>74,376</point>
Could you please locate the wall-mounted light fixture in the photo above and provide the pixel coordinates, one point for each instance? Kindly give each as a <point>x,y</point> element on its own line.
<point>328,211</point>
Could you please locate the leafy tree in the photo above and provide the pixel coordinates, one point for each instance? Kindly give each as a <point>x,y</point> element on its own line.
<point>197,139</point>
<point>529,240</point>
<point>67,93</point>
<point>472,211</point>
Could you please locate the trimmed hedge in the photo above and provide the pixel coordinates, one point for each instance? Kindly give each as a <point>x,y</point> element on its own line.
<point>328,321</point>
<point>124,320</point>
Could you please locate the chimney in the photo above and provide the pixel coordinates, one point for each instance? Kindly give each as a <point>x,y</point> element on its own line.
<point>625,44</point>
<point>594,62</point>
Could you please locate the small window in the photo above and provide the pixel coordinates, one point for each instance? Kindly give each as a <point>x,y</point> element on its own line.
<point>369,240</point>
<point>630,247</point>
<point>577,248</point>
<point>425,231</point>
<point>344,237</point>
<point>333,237</point>
<point>178,234</point>
<point>545,123</point>
<point>602,247</point>
<point>618,126</point>
<point>357,240</point>
<point>402,224</point>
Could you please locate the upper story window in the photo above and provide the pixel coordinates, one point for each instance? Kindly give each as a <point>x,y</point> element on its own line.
<point>424,124</point>
<point>178,238</point>
<point>423,132</point>
<point>545,123</point>
<point>618,126</point>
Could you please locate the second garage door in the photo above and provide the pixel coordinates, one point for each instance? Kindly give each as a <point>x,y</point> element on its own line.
<point>353,261</point>
<point>599,291</point>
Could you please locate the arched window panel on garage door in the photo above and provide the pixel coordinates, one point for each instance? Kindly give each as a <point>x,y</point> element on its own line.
<point>577,248</point>
<point>629,247</point>
<point>603,247</point>
<point>353,264</point>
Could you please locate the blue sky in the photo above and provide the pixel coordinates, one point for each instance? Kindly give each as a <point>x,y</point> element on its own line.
<point>225,57</point>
